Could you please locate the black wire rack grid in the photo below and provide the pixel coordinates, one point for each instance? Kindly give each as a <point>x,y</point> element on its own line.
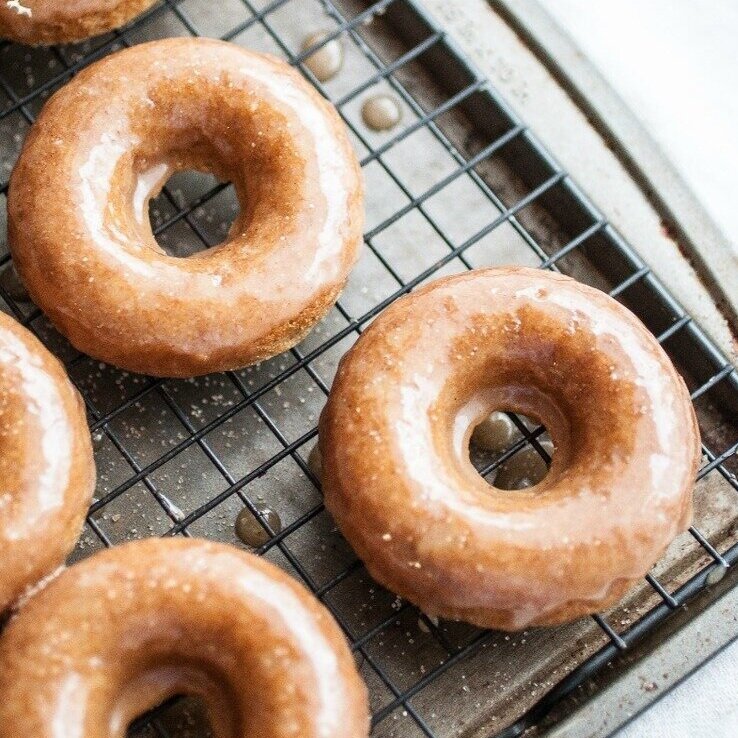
<point>545,185</point>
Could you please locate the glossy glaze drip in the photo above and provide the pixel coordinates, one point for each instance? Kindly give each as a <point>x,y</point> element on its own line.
<point>315,462</point>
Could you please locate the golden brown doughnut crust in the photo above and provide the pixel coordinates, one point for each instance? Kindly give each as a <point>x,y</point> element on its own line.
<point>126,629</point>
<point>46,465</point>
<point>395,437</point>
<point>65,21</point>
<point>106,143</point>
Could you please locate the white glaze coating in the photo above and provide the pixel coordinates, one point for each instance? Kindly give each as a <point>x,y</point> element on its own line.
<point>47,474</point>
<point>87,253</point>
<point>395,433</point>
<point>124,630</point>
<point>62,21</point>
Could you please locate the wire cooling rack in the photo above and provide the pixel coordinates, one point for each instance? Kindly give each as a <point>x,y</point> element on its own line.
<point>460,183</point>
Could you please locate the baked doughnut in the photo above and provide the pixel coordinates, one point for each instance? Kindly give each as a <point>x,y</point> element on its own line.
<point>64,21</point>
<point>107,142</point>
<point>128,628</point>
<point>395,433</point>
<point>46,466</point>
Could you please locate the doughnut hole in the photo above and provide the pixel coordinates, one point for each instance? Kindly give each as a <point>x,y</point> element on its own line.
<point>180,159</point>
<point>499,451</point>
<point>185,715</point>
<point>192,212</point>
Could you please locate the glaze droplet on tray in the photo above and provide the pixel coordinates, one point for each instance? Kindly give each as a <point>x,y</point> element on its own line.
<point>325,62</point>
<point>495,433</point>
<point>381,112</point>
<point>251,530</point>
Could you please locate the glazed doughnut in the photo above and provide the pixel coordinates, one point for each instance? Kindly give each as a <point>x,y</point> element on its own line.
<point>395,433</point>
<point>46,465</point>
<point>123,631</point>
<point>107,142</point>
<point>64,21</point>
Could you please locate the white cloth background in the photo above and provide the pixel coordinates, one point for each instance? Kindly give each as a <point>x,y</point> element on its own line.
<point>675,64</point>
